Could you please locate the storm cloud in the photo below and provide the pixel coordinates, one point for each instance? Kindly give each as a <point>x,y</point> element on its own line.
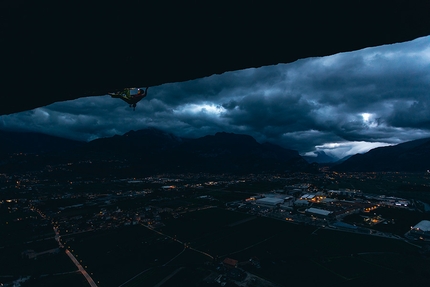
<point>342,104</point>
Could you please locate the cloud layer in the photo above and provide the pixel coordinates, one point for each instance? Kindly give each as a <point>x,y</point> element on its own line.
<point>342,104</point>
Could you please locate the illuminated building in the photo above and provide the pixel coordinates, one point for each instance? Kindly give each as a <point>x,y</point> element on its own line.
<point>421,230</point>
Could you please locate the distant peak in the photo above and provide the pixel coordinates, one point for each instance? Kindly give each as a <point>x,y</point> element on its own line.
<point>149,130</point>
<point>233,135</point>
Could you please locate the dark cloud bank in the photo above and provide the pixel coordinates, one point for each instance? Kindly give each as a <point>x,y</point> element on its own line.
<point>342,104</point>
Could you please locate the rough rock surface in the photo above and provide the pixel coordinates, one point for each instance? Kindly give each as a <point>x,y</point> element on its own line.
<point>55,51</point>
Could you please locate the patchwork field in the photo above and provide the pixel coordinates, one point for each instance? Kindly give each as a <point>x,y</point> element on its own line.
<point>290,253</point>
<point>194,244</point>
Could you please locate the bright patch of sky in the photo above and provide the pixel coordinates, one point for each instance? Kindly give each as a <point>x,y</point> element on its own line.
<point>343,149</point>
<point>206,108</point>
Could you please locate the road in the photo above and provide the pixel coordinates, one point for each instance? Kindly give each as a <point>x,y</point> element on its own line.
<point>168,277</point>
<point>131,279</point>
<point>180,242</point>
<point>74,260</point>
<point>81,269</point>
<point>248,247</point>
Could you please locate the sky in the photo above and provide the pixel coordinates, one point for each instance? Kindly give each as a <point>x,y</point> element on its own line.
<point>341,104</point>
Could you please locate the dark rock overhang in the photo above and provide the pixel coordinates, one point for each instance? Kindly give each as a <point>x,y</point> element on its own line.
<point>55,52</point>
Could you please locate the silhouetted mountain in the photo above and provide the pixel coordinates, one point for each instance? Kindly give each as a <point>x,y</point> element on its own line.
<point>344,158</point>
<point>34,143</point>
<point>133,144</point>
<point>235,153</point>
<point>321,157</point>
<point>413,156</point>
<point>152,151</point>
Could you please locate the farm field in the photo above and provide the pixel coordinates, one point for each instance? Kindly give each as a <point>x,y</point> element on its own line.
<point>288,252</point>
<point>113,257</point>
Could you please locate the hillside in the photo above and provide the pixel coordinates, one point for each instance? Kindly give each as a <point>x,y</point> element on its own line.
<point>152,151</point>
<point>412,156</point>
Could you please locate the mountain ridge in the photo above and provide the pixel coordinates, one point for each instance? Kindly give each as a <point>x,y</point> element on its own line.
<point>151,150</point>
<point>32,142</point>
<point>411,156</point>
<point>320,158</point>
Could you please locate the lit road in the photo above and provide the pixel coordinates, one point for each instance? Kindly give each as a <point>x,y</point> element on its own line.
<point>71,256</point>
<point>74,260</point>
<point>204,253</point>
<point>81,269</point>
